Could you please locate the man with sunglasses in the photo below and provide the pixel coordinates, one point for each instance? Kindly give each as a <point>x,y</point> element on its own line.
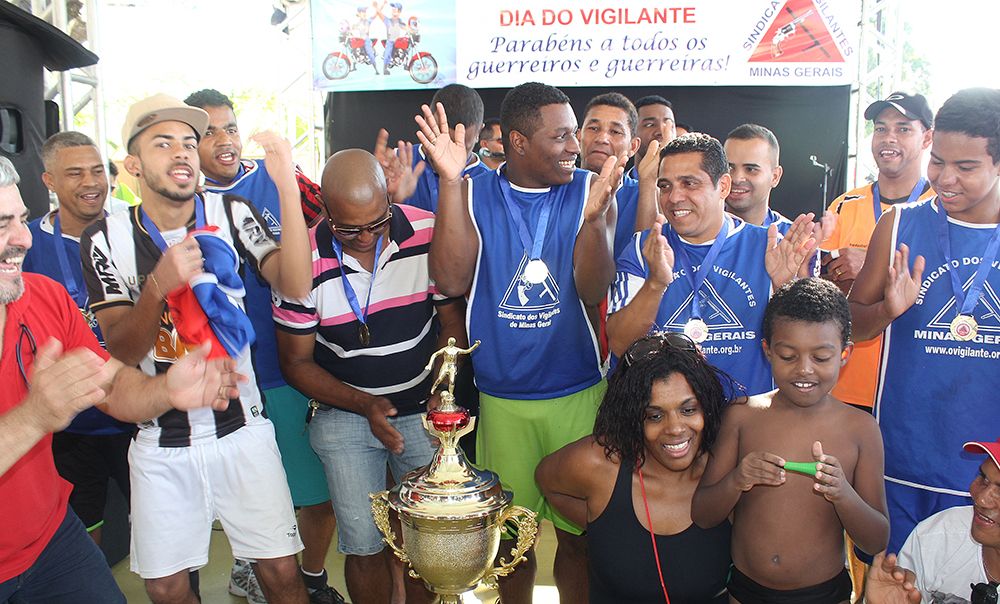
<point>358,344</point>
<point>219,152</point>
<point>944,560</point>
<point>52,368</point>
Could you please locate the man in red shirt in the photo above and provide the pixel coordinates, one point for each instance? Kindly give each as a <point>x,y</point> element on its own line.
<point>52,367</point>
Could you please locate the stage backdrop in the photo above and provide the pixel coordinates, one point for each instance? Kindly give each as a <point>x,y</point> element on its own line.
<point>807,120</point>
<point>582,43</point>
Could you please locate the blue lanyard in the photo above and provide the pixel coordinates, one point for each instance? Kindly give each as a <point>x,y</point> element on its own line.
<point>154,233</point>
<point>967,302</point>
<point>698,281</point>
<point>78,293</point>
<point>914,194</point>
<point>352,297</point>
<point>532,245</point>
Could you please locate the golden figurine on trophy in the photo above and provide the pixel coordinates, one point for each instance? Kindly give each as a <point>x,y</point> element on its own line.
<point>451,513</point>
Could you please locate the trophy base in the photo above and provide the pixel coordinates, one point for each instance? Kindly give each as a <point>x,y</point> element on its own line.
<point>448,599</point>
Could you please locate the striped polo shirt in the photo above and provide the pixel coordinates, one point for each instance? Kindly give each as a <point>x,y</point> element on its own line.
<point>118,256</point>
<point>402,318</point>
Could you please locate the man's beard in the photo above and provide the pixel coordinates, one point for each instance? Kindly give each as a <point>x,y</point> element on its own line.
<point>12,291</point>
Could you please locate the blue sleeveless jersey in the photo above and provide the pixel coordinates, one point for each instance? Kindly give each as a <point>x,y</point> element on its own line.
<point>426,194</point>
<point>936,393</point>
<point>537,340</point>
<point>627,197</point>
<point>736,294</point>
<point>255,184</point>
<point>41,258</point>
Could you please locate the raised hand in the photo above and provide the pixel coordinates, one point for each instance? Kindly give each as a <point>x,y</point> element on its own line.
<point>903,285</point>
<point>784,259</point>
<point>277,156</point>
<point>759,468</point>
<point>602,188</point>
<point>196,381</point>
<point>447,155</point>
<point>401,176</point>
<point>63,385</point>
<point>650,164</point>
<point>177,266</point>
<point>830,480</point>
<point>377,412</point>
<point>888,583</point>
<point>659,255</point>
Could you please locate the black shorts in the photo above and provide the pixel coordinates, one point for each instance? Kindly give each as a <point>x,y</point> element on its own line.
<point>747,591</point>
<point>87,462</point>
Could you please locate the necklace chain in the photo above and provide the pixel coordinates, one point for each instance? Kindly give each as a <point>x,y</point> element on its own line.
<point>986,569</point>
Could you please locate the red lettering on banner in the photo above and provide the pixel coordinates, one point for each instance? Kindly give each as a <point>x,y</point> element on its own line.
<point>643,16</point>
<point>516,18</point>
<point>550,17</point>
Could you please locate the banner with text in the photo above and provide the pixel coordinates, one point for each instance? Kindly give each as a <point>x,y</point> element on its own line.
<point>384,46</point>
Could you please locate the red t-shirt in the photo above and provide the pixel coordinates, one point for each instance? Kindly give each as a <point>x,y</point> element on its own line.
<point>32,495</point>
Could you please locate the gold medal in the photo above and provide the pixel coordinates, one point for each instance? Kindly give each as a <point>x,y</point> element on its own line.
<point>964,328</point>
<point>364,335</point>
<point>696,329</point>
<point>535,272</point>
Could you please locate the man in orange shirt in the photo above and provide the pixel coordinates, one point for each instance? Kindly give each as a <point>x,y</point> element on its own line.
<point>903,126</point>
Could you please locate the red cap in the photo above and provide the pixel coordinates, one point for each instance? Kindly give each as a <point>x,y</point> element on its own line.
<point>991,449</point>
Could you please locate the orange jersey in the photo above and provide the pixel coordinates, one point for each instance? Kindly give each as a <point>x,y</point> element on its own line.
<point>855,212</point>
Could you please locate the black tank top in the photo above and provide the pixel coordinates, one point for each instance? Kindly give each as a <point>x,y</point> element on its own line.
<point>622,566</point>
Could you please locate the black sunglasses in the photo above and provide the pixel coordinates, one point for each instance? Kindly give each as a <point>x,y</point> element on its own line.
<point>350,232</point>
<point>984,593</point>
<point>654,343</point>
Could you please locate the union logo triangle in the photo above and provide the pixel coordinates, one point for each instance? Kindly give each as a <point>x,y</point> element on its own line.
<point>797,35</point>
<point>714,312</point>
<point>522,296</point>
<point>986,313</point>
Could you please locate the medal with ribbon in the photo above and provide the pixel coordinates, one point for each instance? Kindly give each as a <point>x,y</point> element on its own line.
<point>696,328</point>
<point>964,326</point>
<point>364,333</point>
<point>69,280</point>
<point>154,232</point>
<point>535,271</point>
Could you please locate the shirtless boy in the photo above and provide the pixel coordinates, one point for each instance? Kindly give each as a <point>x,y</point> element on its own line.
<point>788,528</point>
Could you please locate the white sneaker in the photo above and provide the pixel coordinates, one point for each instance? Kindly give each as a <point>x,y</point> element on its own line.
<point>243,583</point>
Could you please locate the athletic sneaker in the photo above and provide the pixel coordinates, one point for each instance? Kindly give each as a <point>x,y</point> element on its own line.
<point>326,595</point>
<point>243,583</point>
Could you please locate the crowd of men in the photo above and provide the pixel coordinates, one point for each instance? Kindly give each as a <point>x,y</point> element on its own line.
<point>323,303</point>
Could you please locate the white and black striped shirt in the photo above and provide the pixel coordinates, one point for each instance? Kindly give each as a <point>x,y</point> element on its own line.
<point>118,254</point>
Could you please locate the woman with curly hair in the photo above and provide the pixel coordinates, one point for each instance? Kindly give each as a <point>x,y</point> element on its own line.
<point>630,484</point>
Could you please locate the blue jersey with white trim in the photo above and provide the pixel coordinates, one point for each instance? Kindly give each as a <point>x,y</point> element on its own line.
<point>736,294</point>
<point>934,392</point>
<point>425,196</point>
<point>537,342</point>
<point>254,183</point>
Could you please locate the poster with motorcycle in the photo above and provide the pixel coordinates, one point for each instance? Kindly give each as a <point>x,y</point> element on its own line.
<point>382,44</point>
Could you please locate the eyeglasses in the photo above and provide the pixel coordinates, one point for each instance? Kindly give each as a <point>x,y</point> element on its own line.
<point>984,593</point>
<point>351,232</point>
<point>656,342</point>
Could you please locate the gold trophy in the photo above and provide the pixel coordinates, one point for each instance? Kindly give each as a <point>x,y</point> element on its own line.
<point>451,513</point>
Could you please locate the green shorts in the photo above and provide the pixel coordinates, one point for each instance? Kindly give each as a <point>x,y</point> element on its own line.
<point>286,407</point>
<point>514,435</point>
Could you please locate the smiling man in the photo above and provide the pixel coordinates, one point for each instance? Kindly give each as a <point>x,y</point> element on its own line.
<point>753,151</point>
<point>930,281</point>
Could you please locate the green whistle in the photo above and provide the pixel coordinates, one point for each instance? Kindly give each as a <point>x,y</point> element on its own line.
<point>802,467</point>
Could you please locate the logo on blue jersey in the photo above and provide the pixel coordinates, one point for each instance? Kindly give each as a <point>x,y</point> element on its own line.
<point>272,222</point>
<point>714,312</point>
<point>521,295</point>
<point>987,311</point>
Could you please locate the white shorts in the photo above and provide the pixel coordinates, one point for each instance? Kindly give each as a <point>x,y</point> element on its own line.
<point>177,493</point>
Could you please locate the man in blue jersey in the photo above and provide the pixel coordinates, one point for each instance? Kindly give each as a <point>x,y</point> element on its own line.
<point>535,240</point>
<point>93,448</point>
<point>701,271</point>
<point>656,123</point>
<point>226,172</point>
<point>752,151</point>
<point>938,379</point>
<point>465,107</point>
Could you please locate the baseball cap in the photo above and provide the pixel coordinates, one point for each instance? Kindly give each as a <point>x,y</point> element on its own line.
<point>162,108</point>
<point>913,106</point>
<point>989,448</point>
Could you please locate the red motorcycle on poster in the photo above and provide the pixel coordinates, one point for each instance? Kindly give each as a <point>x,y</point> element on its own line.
<point>359,49</point>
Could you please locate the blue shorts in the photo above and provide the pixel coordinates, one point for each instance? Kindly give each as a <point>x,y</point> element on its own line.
<point>70,570</point>
<point>286,408</point>
<point>355,463</point>
<point>908,506</point>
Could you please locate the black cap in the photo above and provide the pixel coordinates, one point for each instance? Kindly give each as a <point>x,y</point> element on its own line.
<point>913,106</point>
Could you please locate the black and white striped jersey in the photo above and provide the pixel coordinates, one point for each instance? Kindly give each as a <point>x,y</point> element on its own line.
<point>118,254</point>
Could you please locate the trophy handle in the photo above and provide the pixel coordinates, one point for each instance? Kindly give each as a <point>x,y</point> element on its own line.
<point>380,513</point>
<point>527,529</point>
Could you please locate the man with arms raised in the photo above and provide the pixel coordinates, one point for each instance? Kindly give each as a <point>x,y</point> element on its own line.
<point>903,127</point>
<point>132,261</point>
<point>938,379</point>
<point>535,239</point>
<point>219,152</point>
<point>702,271</point>
<point>45,554</point>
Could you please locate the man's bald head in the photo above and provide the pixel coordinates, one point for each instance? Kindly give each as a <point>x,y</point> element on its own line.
<point>352,177</point>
